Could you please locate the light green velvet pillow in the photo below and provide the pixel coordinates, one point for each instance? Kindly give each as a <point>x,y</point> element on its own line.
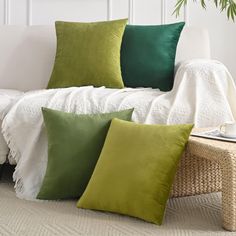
<point>136,169</point>
<point>88,54</point>
<point>74,145</point>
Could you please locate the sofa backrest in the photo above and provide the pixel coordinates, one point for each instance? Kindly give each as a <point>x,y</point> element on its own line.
<point>27,54</point>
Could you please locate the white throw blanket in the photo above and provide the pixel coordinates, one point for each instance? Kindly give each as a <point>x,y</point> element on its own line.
<point>7,99</point>
<point>204,93</point>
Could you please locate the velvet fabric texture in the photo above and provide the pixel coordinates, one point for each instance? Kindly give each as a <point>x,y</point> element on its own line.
<point>88,54</point>
<point>74,145</point>
<point>148,55</point>
<point>136,169</point>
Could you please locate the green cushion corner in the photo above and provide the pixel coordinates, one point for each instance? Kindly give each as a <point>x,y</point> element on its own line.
<point>88,54</point>
<point>136,169</point>
<point>148,55</point>
<point>74,145</point>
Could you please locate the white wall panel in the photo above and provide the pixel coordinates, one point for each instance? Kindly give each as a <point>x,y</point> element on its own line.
<point>44,12</point>
<point>222,33</point>
<point>170,17</point>
<point>48,11</point>
<point>18,12</point>
<point>120,9</point>
<point>146,13</point>
<point>6,12</point>
<point>1,12</point>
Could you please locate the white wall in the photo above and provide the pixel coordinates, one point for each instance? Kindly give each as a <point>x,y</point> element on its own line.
<point>222,31</point>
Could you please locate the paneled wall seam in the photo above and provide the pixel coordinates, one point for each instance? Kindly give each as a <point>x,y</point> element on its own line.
<point>186,14</point>
<point>29,12</point>
<point>163,11</point>
<point>7,12</point>
<point>109,9</point>
<point>131,11</point>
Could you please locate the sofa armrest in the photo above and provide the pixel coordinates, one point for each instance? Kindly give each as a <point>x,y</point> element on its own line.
<point>203,87</point>
<point>204,71</point>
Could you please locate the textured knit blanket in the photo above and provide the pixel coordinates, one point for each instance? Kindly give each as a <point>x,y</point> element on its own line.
<point>7,99</point>
<point>204,93</point>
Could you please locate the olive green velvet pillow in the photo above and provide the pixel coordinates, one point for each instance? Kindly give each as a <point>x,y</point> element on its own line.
<point>74,145</point>
<point>88,54</point>
<point>136,169</point>
<point>148,55</point>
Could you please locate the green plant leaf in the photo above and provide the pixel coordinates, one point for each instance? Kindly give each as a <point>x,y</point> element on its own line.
<point>224,5</point>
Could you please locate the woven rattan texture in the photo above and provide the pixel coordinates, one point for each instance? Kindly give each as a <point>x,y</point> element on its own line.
<point>209,166</point>
<point>196,175</point>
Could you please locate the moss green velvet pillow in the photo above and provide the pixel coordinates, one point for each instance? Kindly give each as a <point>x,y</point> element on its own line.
<point>88,54</point>
<point>148,55</point>
<point>136,169</point>
<point>74,145</point>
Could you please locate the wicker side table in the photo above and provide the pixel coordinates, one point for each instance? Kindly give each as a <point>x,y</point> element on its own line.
<point>223,153</point>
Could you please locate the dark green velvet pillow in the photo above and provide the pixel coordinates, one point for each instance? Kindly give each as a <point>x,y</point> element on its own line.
<point>74,145</point>
<point>148,55</point>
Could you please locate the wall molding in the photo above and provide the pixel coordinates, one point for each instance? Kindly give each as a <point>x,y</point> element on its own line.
<point>7,17</point>
<point>131,11</point>
<point>29,12</point>
<point>163,11</point>
<point>109,9</point>
<point>186,14</point>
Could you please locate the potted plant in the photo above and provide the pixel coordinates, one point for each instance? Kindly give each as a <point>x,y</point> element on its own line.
<point>225,5</point>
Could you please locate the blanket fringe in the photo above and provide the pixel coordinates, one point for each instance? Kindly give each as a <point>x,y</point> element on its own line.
<point>14,154</point>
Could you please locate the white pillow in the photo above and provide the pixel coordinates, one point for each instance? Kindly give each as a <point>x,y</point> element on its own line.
<point>7,99</point>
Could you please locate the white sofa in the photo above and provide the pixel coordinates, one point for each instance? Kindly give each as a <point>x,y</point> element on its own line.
<point>27,57</point>
<point>27,54</point>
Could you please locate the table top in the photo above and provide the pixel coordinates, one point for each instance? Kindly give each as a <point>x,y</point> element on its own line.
<point>216,144</point>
